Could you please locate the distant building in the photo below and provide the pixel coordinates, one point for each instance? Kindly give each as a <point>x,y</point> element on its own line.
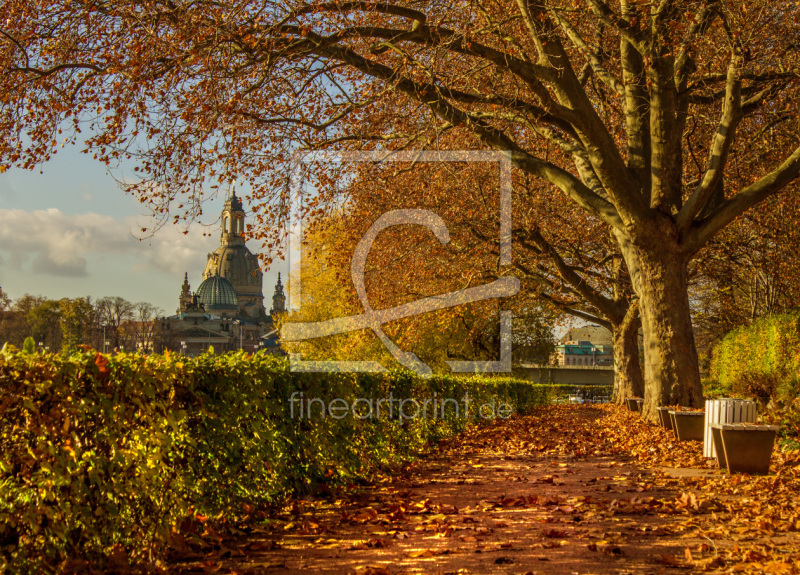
<point>596,334</point>
<point>227,311</point>
<point>588,345</point>
<point>583,353</point>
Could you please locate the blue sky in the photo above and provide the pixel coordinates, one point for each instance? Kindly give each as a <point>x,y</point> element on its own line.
<point>71,231</point>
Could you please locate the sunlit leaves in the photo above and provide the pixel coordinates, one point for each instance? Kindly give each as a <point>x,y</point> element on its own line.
<point>108,456</point>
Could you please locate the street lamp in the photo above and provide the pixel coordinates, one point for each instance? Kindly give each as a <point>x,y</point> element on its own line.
<point>241,332</point>
<point>183,347</point>
<point>161,338</point>
<point>105,343</point>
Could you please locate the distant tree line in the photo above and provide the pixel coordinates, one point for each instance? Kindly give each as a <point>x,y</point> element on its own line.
<point>107,323</point>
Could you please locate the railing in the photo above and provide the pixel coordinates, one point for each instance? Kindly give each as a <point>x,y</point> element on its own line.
<point>586,367</point>
<point>591,395</point>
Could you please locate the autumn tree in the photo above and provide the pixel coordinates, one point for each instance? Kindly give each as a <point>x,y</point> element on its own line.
<point>567,262</point>
<point>5,301</point>
<point>140,331</point>
<point>63,324</point>
<point>9,320</point>
<point>113,313</point>
<point>44,323</point>
<point>78,322</point>
<point>535,343</point>
<point>15,327</point>
<point>467,332</point>
<point>748,271</point>
<point>325,294</point>
<point>665,120</point>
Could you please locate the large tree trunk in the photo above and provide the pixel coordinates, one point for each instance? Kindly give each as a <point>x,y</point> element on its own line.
<point>628,379</point>
<point>671,372</point>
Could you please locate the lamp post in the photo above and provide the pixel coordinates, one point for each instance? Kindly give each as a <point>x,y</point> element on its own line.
<point>183,347</point>
<point>105,343</point>
<point>241,332</point>
<point>164,327</point>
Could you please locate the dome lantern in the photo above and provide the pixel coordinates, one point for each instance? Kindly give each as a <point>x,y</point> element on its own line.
<point>232,220</point>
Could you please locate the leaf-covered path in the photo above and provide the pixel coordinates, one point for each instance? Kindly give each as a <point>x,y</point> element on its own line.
<point>584,489</point>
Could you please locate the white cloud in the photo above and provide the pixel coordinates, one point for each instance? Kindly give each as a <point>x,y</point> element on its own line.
<point>50,242</point>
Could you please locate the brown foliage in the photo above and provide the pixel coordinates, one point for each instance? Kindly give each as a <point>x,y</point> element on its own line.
<point>758,384</point>
<point>664,121</point>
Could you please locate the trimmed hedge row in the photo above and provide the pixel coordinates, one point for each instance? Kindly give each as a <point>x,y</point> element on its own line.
<point>764,355</point>
<point>100,453</point>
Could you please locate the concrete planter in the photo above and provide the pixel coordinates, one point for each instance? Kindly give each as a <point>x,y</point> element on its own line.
<point>747,448</point>
<point>664,417</point>
<point>634,403</point>
<point>688,425</point>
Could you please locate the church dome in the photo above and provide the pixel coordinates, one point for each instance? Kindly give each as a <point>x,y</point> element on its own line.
<point>217,294</point>
<point>238,265</point>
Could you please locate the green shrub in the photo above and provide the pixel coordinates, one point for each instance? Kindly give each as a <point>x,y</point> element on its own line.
<point>713,389</point>
<point>789,387</point>
<point>787,417</point>
<point>98,452</point>
<point>760,358</point>
<point>757,384</point>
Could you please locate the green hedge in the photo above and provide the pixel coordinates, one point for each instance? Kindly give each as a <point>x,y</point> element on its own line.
<point>98,452</point>
<point>769,348</point>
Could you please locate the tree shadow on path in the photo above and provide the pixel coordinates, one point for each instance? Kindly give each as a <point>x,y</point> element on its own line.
<point>565,489</point>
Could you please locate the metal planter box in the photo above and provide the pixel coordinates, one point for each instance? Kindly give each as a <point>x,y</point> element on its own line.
<point>665,418</point>
<point>744,448</point>
<point>634,403</point>
<point>688,425</point>
<point>716,439</point>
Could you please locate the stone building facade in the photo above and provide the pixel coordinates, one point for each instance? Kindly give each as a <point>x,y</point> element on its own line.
<point>227,311</point>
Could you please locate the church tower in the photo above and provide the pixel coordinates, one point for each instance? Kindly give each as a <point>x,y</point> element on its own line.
<point>278,299</point>
<point>233,261</point>
<point>232,221</point>
<point>185,300</point>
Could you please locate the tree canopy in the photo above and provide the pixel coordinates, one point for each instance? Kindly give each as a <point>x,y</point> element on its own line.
<point>664,120</point>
